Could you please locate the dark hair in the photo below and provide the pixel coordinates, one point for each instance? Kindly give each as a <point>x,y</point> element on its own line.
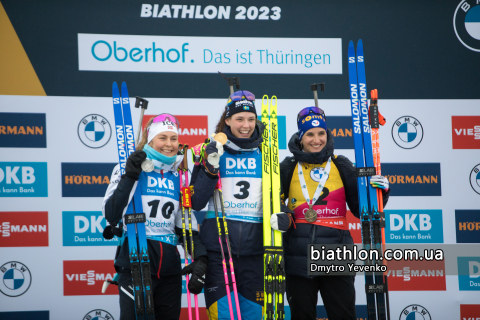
<point>221,123</point>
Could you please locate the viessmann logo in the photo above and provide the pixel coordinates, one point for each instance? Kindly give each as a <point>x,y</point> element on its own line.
<point>87,277</point>
<point>466,132</point>
<point>23,229</point>
<point>86,179</point>
<point>23,130</point>
<point>416,275</point>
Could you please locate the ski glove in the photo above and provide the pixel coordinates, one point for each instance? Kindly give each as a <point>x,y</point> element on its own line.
<point>198,269</point>
<point>134,164</point>
<point>214,151</point>
<point>280,221</point>
<point>380,182</point>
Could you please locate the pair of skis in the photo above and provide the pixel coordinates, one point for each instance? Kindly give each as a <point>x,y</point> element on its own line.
<point>371,215</point>
<point>274,264</point>
<point>134,217</point>
<point>186,203</point>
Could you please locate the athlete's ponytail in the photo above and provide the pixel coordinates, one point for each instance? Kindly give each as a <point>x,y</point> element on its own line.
<point>144,139</point>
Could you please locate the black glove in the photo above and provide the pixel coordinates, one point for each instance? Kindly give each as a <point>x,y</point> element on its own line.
<point>134,164</point>
<point>280,221</point>
<point>198,269</point>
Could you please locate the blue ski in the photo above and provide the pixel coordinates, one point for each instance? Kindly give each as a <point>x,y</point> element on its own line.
<point>360,164</point>
<point>372,193</point>
<point>134,217</point>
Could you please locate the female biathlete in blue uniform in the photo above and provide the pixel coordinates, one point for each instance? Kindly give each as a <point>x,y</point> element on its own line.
<point>160,190</point>
<point>239,163</point>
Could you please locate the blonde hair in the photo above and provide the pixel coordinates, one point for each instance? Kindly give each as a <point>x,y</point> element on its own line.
<point>144,139</point>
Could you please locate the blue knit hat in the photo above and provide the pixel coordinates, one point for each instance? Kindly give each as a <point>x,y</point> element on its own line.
<point>311,121</point>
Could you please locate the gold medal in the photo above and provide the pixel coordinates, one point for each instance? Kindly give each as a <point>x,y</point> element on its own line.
<point>311,215</point>
<point>220,137</point>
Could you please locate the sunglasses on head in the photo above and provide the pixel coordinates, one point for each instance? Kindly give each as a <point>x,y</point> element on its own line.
<point>166,117</point>
<point>310,110</point>
<point>241,95</point>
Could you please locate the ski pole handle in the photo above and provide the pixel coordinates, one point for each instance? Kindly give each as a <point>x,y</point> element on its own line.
<point>314,88</point>
<point>143,104</point>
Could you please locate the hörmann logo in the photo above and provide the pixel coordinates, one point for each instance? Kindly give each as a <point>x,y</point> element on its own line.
<point>413,179</point>
<point>466,132</point>
<point>86,179</point>
<point>87,277</point>
<point>23,179</point>
<point>23,229</point>
<point>467,225</point>
<point>341,129</point>
<point>23,130</point>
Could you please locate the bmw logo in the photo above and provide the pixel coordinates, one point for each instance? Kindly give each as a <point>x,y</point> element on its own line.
<point>466,23</point>
<point>15,279</point>
<point>407,132</point>
<point>475,178</point>
<point>98,314</point>
<point>415,312</point>
<point>316,174</point>
<point>94,131</point>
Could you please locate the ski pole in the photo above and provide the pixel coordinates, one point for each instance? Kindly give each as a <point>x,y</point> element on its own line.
<point>232,81</point>
<point>314,87</point>
<point>227,284</point>
<point>143,104</point>
<point>188,204</point>
<point>232,270</point>
<point>222,138</point>
<point>376,120</point>
<point>185,246</point>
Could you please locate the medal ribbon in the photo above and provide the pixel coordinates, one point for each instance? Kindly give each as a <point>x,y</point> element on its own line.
<point>321,184</point>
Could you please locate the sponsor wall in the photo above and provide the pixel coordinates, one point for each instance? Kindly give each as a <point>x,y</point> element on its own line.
<point>57,151</point>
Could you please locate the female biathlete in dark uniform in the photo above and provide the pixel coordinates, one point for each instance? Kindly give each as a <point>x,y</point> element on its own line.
<point>160,190</point>
<point>239,163</point>
<point>314,172</point>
